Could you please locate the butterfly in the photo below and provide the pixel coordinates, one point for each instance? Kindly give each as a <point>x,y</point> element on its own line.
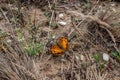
<point>60,47</point>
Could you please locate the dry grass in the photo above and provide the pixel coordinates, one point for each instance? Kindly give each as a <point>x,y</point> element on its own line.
<point>88,29</point>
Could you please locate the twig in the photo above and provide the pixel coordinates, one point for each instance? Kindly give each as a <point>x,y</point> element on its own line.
<point>68,71</point>
<point>105,26</point>
<point>28,73</point>
<point>84,18</point>
<point>4,15</point>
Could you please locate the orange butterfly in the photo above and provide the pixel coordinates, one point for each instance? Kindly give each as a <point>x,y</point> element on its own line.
<point>60,47</point>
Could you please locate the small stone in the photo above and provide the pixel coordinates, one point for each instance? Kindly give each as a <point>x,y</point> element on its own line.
<point>62,23</point>
<point>63,60</point>
<point>53,37</point>
<point>9,41</point>
<point>77,57</point>
<point>81,57</point>
<point>106,57</point>
<point>61,15</point>
<point>112,4</point>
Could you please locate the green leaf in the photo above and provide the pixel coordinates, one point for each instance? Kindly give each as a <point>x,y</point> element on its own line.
<point>96,58</point>
<point>53,25</point>
<point>114,53</point>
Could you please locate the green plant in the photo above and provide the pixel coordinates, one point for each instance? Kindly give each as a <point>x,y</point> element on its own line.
<point>20,37</point>
<point>48,14</point>
<point>98,59</point>
<point>116,54</point>
<point>3,35</point>
<point>17,14</point>
<point>34,48</point>
<point>86,5</point>
<point>53,25</point>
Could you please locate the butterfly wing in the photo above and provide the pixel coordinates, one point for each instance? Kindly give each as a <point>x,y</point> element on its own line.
<point>56,50</point>
<point>60,47</point>
<point>63,42</point>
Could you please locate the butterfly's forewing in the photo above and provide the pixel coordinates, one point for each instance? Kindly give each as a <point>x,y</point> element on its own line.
<point>56,50</point>
<point>63,42</point>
